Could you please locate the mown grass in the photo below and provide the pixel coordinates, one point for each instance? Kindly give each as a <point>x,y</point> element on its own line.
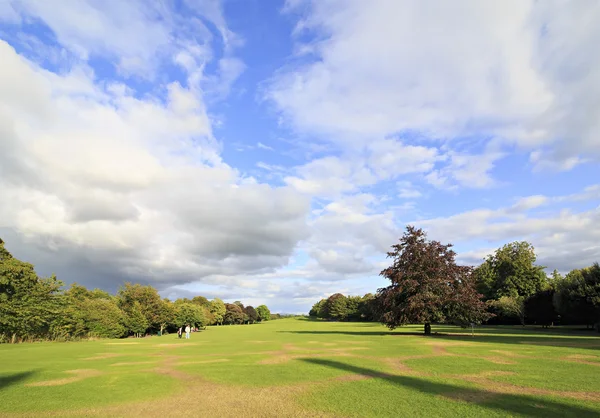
<point>299,367</point>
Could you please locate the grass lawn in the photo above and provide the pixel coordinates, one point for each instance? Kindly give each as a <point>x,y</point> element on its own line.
<point>298,367</point>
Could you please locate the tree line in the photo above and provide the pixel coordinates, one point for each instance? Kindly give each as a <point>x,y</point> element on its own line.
<point>36,308</point>
<point>427,286</point>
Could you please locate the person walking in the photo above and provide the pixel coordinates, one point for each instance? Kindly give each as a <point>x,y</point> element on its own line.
<point>179,332</point>
<point>187,332</point>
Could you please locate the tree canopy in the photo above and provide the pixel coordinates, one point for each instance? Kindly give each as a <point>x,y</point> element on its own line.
<point>427,285</point>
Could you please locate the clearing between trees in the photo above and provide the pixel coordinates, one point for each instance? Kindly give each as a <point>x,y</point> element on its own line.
<point>313,368</point>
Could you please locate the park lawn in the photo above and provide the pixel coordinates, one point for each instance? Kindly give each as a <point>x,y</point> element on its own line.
<point>300,367</point>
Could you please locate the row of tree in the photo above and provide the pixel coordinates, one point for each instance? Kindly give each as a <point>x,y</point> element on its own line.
<point>427,286</point>
<point>33,308</point>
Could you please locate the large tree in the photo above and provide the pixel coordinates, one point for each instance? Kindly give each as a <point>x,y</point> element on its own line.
<point>251,313</point>
<point>577,296</point>
<point>264,314</point>
<point>217,309</point>
<point>187,313</point>
<point>336,307</point>
<point>427,285</point>
<point>28,304</point>
<point>233,314</point>
<point>511,272</point>
<point>150,303</point>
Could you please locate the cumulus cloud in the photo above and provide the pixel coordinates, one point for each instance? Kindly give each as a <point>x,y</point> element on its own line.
<point>135,184</point>
<point>564,238</point>
<point>514,71</point>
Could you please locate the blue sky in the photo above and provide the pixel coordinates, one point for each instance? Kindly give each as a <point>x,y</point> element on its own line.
<point>272,151</point>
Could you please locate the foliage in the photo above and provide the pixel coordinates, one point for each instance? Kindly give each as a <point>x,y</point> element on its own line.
<point>251,313</point>
<point>217,309</point>
<point>187,313</point>
<point>201,300</point>
<point>28,303</point>
<point>508,307</point>
<point>577,296</point>
<point>511,272</point>
<point>318,309</point>
<point>539,308</point>
<point>427,285</point>
<point>264,314</point>
<point>150,304</point>
<point>136,320</point>
<point>336,307</point>
<point>233,314</point>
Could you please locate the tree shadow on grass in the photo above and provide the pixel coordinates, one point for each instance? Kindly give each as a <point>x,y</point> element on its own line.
<point>531,406</point>
<point>520,338</point>
<point>13,379</point>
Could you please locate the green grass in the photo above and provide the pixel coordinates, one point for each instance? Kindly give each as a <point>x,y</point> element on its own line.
<point>311,368</point>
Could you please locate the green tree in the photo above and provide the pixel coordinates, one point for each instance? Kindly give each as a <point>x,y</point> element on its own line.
<point>425,282</point>
<point>539,308</point>
<point>135,319</point>
<point>577,297</point>
<point>217,309</point>
<point>353,307</point>
<point>150,304</point>
<point>264,314</point>
<point>511,272</point>
<point>509,307</point>
<point>89,313</point>
<point>337,307</point>
<point>368,307</point>
<point>28,304</point>
<point>201,300</point>
<point>187,313</point>
<point>318,309</point>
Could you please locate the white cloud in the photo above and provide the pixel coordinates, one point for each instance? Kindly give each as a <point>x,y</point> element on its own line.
<point>514,70</point>
<point>263,146</point>
<point>564,239</point>
<point>134,184</point>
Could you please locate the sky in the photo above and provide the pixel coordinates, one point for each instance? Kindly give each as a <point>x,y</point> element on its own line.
<point>272,151</point>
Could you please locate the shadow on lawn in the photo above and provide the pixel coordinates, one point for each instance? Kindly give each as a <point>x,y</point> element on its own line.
<point>531,406</point>
<point>521,337</point>
<point>13,379</point>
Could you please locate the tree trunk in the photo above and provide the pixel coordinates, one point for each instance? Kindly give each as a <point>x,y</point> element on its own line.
<point>427,328</point>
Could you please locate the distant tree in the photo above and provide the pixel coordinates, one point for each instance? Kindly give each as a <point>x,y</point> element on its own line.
<point>318,309</point>
<point>217,309</point>
<point>166,315</point>
<point>263,313</point>
<point>88,313</point>
<point>425,280</point>
<point>353,307</point>
<point>508,307</point>
<point>539,308</point>
<point>252,314</point>
<point>368,308</point>
<point>150,303</point>
<point>577,297</point>
<point>337,307</point>
<point>188,313</point>
<point>511,272</point>
<point>233,314</point>
<point>201,300</point>
<point>240,304</point>
<point>135,320</point>
<point>28,304</point>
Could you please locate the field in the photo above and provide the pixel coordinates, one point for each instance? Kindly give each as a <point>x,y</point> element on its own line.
<point>298,367</point>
